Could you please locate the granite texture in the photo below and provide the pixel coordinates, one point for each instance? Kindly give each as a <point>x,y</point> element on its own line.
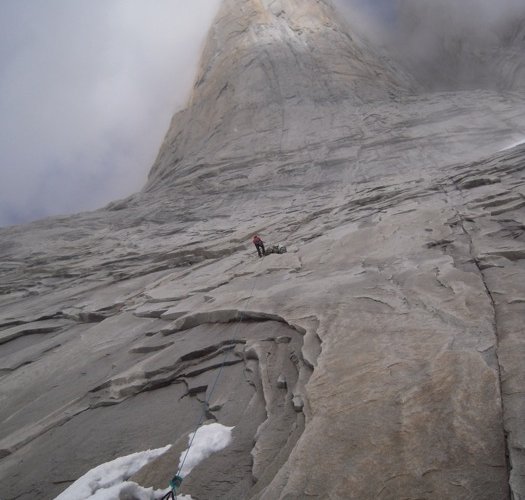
<point>381,357</point>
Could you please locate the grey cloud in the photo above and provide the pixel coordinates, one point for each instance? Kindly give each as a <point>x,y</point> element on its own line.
<point>451,44</point>
<point>480,19</point>
<point>447,43</point>
<point>86,93</point>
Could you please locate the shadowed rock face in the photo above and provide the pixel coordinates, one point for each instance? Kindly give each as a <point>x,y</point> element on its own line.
<point>381,357</point>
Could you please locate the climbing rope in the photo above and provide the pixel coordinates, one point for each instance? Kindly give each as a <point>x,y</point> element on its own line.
<point>176,481</point>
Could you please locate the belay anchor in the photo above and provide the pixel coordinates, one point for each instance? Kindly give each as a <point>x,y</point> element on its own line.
<point>174,485</point>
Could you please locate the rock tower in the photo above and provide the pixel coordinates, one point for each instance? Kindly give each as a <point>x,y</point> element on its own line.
<point>380,357</point>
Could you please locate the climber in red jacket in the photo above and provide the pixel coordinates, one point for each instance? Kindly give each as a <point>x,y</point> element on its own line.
<point>259,244</point>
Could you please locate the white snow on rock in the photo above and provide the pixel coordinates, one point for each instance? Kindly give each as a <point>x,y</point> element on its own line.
<point>109,481</point>
<point>514,144</point>
<point>208,439</point>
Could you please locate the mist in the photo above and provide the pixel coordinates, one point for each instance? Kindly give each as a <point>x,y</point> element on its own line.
<point>87,90</point>
<point>447,44</point>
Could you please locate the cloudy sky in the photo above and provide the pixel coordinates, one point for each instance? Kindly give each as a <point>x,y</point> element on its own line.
<point>87,89</point>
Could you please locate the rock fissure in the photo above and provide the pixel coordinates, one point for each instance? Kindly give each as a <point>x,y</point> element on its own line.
<point>496,336</point>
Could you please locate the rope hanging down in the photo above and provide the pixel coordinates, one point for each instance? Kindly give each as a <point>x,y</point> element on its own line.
<point>176,481</point>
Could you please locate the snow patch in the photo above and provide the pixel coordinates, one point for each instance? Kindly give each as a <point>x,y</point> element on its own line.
<point>513,145</point>
<point>201,444</point>
<point>110,480</point>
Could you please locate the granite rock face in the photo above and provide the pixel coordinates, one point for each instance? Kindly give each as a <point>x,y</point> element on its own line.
<point>381,357</point>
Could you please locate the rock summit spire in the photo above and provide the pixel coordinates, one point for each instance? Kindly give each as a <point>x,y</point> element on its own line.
<point>269,71</point>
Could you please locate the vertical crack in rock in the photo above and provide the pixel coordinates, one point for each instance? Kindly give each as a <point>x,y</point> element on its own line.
<point>475,259</point>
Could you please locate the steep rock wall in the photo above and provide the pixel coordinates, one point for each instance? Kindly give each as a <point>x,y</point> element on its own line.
<point>395,318</point>
<point>266,68</point>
